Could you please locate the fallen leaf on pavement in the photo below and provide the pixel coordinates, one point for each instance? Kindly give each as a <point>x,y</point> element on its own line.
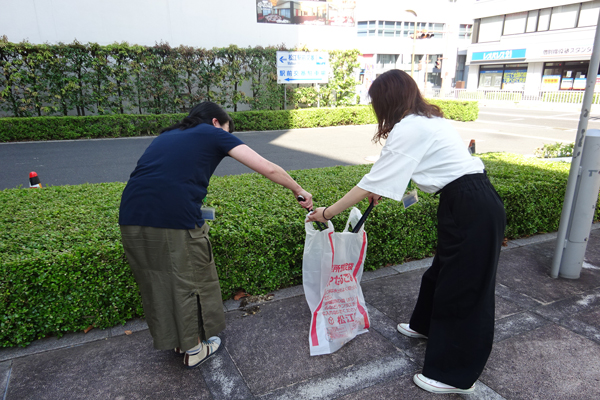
<point>239,294</point>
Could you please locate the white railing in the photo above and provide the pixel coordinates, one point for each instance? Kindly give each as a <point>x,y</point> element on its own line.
<point>561,96</point>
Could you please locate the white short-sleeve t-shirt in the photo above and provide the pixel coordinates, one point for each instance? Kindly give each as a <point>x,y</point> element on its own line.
<point>427,150</point>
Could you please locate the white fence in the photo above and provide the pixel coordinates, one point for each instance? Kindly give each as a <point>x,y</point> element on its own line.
<point>562,96</point>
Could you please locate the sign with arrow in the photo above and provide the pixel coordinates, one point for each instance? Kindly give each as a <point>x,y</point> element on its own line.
<point>302,67</point>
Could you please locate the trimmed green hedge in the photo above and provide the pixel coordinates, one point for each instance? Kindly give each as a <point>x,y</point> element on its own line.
<point>63,267</point>
<point>57,128</point>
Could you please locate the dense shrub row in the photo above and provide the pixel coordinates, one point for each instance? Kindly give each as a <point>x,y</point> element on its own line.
<point>63,267</point>
<point>56,128</point>
<point>88,79</point>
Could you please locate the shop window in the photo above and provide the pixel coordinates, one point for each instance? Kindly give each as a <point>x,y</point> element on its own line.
<point>515,23</point>
<point>544,19</point>
<point>490,29</point>
<point>589,13</point>
<point>514,78</point>
<point>564,17</point>
<point>490,79</point>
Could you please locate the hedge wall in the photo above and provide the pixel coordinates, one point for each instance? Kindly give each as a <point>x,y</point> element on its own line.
<point>63,267</point>
<point>122,78</point>
<point>57,128</point>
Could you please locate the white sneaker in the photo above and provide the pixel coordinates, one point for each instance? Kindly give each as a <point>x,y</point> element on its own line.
<point>406,331</point>
<point>434,386</point>
<point>197,355</point>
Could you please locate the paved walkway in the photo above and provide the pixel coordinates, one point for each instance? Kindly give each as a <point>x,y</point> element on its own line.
<point>547,346</point>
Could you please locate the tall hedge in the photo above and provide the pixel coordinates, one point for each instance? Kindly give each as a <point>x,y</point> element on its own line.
<point>90,79</point>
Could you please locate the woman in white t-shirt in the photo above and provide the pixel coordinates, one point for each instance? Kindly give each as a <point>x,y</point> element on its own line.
<point>455,307</point>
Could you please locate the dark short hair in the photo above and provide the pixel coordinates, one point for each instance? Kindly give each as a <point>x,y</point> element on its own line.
<point>203,113</point>
<point>395,95</point>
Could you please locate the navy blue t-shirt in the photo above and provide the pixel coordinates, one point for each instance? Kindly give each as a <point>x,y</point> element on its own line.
<point>171,178</point>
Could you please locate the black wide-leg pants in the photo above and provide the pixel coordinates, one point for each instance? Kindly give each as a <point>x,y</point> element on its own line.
<point>456,302</point>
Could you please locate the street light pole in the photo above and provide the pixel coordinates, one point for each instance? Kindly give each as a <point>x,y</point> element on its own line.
<point>412,65</point>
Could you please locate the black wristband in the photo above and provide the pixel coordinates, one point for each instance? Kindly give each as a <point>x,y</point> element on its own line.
<point>328,219</point>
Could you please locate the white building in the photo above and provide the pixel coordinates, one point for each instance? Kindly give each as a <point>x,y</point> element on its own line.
<point>196,23</point>
<point>380,29</point>
<point>533,45</point>
<point>383,36</point>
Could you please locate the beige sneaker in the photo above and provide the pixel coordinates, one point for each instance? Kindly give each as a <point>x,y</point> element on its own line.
<point>434,386</point>
<point>197,355</point>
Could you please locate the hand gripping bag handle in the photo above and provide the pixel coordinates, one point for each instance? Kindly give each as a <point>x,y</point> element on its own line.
<point>320,225</point>
<point>362,219</point>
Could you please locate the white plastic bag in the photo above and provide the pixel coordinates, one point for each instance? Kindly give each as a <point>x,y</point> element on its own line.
<point>332,267</point>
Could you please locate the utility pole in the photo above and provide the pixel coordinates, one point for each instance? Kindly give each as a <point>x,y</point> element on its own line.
<point>563,258</point>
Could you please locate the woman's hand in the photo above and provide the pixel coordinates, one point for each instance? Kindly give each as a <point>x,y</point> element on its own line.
<point>374,198</point>
<point>317,216</point>
<point>306,199</point>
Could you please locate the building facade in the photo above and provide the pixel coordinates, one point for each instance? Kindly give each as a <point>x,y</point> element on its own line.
<point>437,58</point>
<point>531,46</point>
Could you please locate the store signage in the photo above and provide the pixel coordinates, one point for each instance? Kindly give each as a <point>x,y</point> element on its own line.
<point>498,55</point>
<point>568,50</point>
<point>550,82</point>
<point>302,67</point>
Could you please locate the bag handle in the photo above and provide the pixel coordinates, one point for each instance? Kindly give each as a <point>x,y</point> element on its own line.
<point>320,225</point>
<point>362,219</point>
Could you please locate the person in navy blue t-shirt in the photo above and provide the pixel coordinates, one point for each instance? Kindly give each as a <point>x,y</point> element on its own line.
<point>166,238</point>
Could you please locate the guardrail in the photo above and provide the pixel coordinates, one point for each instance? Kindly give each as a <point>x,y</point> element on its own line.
<point>560,96</point>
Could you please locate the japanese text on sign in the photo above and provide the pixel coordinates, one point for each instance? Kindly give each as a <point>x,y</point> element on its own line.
<point>302,67</point>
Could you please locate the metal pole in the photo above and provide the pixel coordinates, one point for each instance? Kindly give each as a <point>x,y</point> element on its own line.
<point>284,96</point>
<point>412,65</point>
<point>425,83</point>
<point>565,217</point>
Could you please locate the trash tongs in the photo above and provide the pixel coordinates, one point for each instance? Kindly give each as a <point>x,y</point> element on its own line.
<point>320,225</point>
<point>360,223</point>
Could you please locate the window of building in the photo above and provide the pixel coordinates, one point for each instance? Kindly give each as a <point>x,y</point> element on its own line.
<point>461,61</point>
<point>569,75</point>
<point>564,17</point>
<point>465,31</point>
<point>588,15</point>
<point>389,29</point>
<point>387,60</point>
<point>503,76</point>
<point>532,19</point>
<point>490,29</point>
<point>544,19</point>
<point>515,23</point>
<point>409,28</point>
<point>366,28</point>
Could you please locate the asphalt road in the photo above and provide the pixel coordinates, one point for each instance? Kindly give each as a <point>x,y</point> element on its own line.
<point>509,129</point>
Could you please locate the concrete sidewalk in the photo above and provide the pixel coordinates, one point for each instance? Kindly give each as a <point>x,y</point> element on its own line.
<point>547,346</point>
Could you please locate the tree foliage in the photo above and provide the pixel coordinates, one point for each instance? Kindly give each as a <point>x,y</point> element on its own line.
<point>90,79</point>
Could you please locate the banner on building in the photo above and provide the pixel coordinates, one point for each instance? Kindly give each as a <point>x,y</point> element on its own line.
<point>306,12</point>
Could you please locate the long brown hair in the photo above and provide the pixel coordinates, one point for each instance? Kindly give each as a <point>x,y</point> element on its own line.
<point>395,95</point>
